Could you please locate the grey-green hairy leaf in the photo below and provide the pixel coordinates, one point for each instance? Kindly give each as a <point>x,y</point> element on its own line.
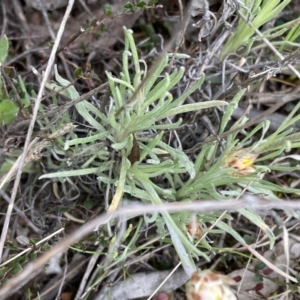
<point>3,49</point>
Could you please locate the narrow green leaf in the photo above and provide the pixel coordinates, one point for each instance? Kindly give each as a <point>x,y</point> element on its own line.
<point>222,225</point>
<point>192,107</point>
<point>258,221</point>
<point>230,108</point>
<point>85,140</point>
<point>3,49</point>
<point>70,173</point>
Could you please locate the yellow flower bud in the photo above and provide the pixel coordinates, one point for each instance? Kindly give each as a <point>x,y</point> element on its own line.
<point>241,161</point>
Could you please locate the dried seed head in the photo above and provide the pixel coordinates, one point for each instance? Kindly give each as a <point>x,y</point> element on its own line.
<point>194,229</point>
<point>209,285</point>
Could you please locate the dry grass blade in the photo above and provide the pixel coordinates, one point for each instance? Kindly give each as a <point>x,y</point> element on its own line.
<point>270,265</point>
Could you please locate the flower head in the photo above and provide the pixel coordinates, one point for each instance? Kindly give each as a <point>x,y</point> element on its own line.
<point>194,228</point>
<point>241,161</point>
<point>209,285</point>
